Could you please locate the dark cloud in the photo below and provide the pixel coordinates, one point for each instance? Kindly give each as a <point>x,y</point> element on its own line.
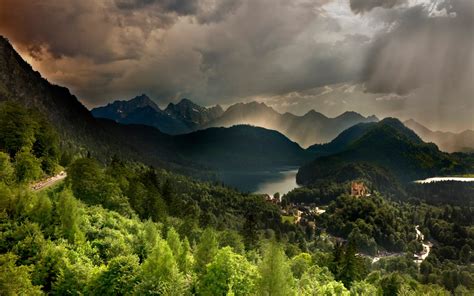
<point>223,51</point>
<point>267,52</point>
<point>361,6</point>
<point>180,7</point>
<point>92,29</point>
<point>212,11</point>
<point>425,50</point>
<point>104,31</point>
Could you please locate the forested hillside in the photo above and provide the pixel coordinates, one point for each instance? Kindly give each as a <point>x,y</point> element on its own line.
<point>129,229</point>
<point>387,145</point>
<point>241,147</point>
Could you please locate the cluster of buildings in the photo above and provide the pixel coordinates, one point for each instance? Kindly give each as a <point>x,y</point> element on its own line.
<point>304,213</point>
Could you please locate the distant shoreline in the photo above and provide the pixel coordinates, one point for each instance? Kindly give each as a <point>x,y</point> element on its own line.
<point>441,179</point>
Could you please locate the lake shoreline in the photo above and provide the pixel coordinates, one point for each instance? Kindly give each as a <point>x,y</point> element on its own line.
<point>268,181</point>
<point>444,179</point>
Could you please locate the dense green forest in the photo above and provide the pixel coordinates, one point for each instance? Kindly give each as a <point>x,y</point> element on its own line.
<point>456,192</point>
<point>119,227</point>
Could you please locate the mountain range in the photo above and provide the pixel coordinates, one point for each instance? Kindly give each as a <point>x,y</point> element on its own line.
<point>180,118</point>
<point>387,145</point>
<point>446,141</point>
<point>186,116</point>
<point>104,138</point>
<point>312,129</point>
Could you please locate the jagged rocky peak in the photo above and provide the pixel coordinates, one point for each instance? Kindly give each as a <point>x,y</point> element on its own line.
<point>253,106</point>
<point>137,102</point>
<point>142,101</point>
<point>313,113</point>
<point>192,112</point>
<point>184,105</point>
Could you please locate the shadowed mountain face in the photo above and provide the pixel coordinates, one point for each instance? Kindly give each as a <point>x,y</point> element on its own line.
<point>446,141</point>
<point>388,145</point>
<point>352,134</point>
<point>180,118</point>
<point>237,147</point>
<point>241,147</point>
<point>141,110</point>
<point>192,114</point>
<point>120,110</point>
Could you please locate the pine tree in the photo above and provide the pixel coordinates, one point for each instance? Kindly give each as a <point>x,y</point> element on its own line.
<point>68,211</point>
<point>160,273</point>
<point>172,238</point>
<point>228,273</point>
<point>250,231</point>
<point>276,276</point>
<point>186,259</point>
<point>206,249</point>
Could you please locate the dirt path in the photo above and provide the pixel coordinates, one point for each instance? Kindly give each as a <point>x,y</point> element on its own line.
<point>49,181</point>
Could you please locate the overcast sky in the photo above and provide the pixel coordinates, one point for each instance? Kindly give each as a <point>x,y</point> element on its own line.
<point>403,58</point>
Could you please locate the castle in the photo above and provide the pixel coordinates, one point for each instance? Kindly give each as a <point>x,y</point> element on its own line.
<point>359,189</point>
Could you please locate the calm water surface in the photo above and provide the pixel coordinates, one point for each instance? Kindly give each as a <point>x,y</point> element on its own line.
<point>269,182</point>
<point>439,179</point>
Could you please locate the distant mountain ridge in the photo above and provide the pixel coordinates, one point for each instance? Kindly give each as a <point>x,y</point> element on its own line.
<point>186,116</point>
<point>192,114</point>
<point>311,128</point>
<point>446,141</point>
<point>180,118</point>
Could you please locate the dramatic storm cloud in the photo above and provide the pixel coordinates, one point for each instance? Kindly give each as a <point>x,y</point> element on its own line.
<point>388,57</point>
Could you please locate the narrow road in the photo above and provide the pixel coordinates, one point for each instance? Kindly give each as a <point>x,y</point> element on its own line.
<point>426,246</point>
<point>49,181</point>
<point>419,258</point>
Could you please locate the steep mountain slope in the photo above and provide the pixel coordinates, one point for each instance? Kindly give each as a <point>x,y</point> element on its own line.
<point>311,128</point>
<point>446,141</point>
<point>78,129</point>
<point>391,146</point>
<point>241,147</point>
<point>19,82</point>
<point>343,140</point>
